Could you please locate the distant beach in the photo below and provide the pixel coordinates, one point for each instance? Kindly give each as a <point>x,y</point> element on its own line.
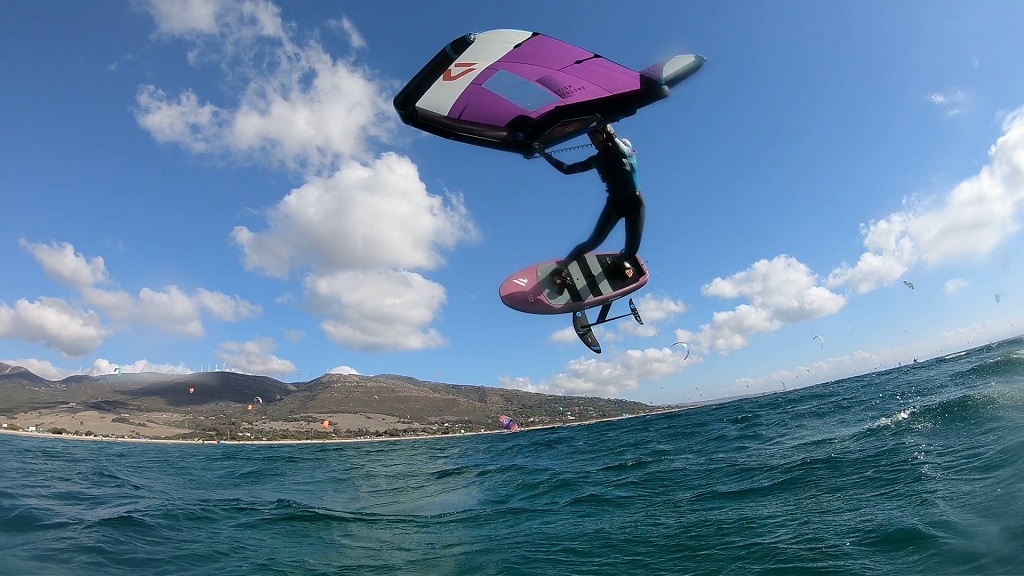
<point>104,429</point>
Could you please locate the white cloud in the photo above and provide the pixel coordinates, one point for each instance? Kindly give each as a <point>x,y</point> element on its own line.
<point>953,102</point>
<point>226,308</point>
<point>177,17</point>
<point>64,265</point>
<point>730,330</point>
<point>784,287</point>
<point>343,370</point>
<point>103,366</point>
<point>355,38</point>
<point>378,215</point>
<point>182,120</point>
<point>196,18</point>
<point>42,368</point>
<point>170,309</point>
<point>299,107</point>
<point>184,16</point>
<point>564,336</point>
<point>972,221</point>
<point>656,309</point>
<point>359,215</point>
<point>377,309</point>
<point>954,285</point>
<point>653,310</point>
<point>53,323</point>
<point>254,357</point>
<point>99,367</point>
<point>360,233</point>
<point>315,127</point>
<point>891,253</point>
<point>981,212</point>
<point>781,291</point>
<point>606,378</point>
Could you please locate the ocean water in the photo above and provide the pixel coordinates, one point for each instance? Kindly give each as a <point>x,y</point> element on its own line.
<point>918,470</point>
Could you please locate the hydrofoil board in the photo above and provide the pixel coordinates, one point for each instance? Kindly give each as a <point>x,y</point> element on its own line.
<point>595,280</point>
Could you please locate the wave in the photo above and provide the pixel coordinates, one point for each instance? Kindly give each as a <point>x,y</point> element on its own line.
<point>1003,366</point>
<point>900,416</point>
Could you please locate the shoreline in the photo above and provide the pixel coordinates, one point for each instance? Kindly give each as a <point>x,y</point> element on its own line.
<point>47,435</point>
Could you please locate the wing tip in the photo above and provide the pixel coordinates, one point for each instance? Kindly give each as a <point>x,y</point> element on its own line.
<point>675,69</point>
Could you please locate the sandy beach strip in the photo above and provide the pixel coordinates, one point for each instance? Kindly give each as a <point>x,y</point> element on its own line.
<point>106,430</point>
<point>161,425</point>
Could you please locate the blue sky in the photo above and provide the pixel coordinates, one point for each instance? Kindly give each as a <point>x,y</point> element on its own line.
<point>192,185</point>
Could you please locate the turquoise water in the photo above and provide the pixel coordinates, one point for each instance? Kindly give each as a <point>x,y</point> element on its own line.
<point>918,470</point>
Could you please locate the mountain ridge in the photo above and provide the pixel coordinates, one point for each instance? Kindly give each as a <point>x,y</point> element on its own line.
<point>246,400</point>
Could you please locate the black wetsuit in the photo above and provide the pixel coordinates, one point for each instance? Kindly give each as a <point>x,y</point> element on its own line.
<point>616,164</point>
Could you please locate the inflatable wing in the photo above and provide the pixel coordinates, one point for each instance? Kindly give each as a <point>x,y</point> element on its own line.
<point>508,423</point>
<point>510,89</point>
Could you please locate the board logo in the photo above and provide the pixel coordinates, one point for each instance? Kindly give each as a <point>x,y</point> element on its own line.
<point>521,281</point>
<point>451,76</point>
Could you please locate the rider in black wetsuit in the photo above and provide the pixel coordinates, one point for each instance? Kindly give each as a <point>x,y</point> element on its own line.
<point>615,162</point>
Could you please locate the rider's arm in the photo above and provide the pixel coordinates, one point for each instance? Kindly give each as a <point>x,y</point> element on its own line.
<point>574,168</point>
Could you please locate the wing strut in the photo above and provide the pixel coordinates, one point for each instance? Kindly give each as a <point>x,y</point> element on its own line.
<point>602,317</point>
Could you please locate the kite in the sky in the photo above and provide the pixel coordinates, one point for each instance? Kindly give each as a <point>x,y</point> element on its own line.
<point>515,91</point>
<point>821,339</point>
<point>686,347</point>
<point>908,284</point>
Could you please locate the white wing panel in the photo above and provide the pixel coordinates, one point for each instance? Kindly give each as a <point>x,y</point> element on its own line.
<point>488,48</point>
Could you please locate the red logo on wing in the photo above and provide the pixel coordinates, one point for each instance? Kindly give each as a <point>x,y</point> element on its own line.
<point>450,76</point>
